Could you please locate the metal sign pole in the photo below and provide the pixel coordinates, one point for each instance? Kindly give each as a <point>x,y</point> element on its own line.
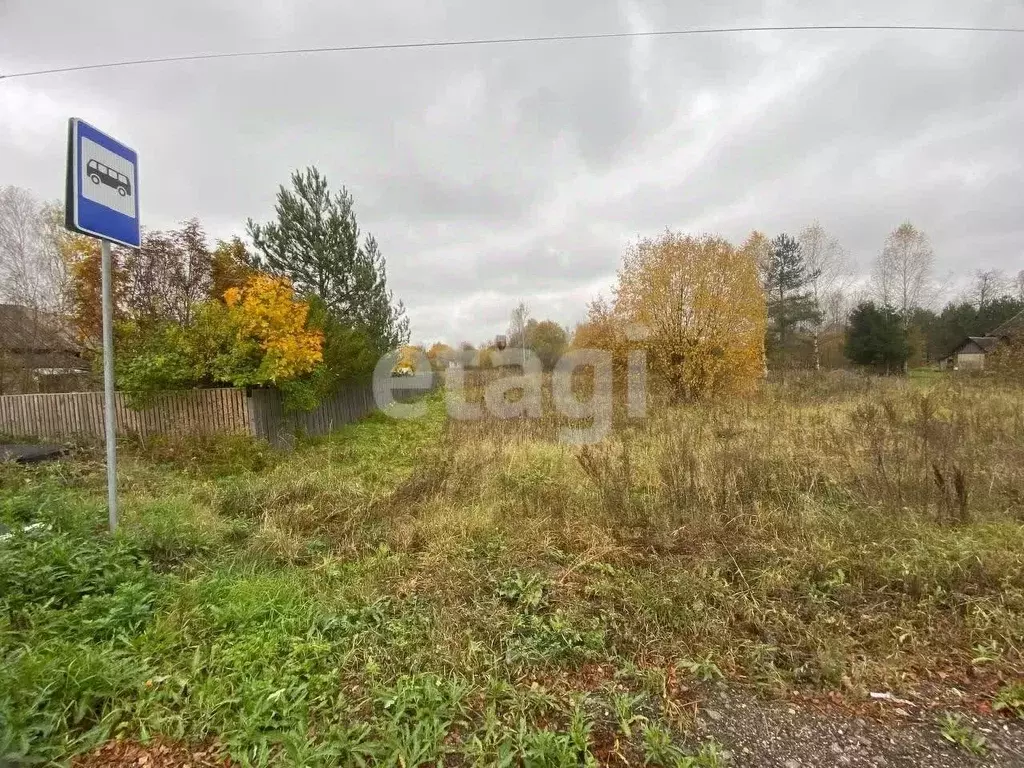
<point>110,426</point>
<point>102,201</point>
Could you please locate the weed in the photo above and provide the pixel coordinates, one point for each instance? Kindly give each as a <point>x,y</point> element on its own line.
<point>45,572</point>
<point>417,713</point>
<point>986,653</point>
<point>659,748</point>
<point>205,455</point>
<point>545,748</point>
<point>410,592</point>
<point>611,470</point>
<point>710,755</point>
<point>580,727</point>
<point>956,730</point>
<point>1010,699</point>
<point>552,638</point>
<point>525,592</point>
<point>60,696</point>
<point>624,705</point>
<point>704,670</point>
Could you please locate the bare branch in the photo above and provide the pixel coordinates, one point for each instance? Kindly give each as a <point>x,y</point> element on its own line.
<point>989,285</point>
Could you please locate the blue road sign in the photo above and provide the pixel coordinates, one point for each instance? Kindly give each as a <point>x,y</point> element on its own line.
<point>102,197</point>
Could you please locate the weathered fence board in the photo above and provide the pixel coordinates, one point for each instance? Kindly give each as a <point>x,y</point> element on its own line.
<point>65,415</point>
<point>273,423</point>
<point>257,412</point>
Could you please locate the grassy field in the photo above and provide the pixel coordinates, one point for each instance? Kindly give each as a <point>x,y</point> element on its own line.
<point>407,592</point>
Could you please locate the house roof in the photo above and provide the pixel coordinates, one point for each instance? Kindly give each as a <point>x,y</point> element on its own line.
<point>25,330</point>
<point>52,362</point>
<point>984,343</point>
<point>1012,327</point>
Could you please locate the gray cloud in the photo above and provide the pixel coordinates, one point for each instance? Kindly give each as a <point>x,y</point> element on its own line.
<point>497,173</point>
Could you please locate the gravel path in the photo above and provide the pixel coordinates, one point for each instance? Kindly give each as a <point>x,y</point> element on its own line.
<point>786,735</point>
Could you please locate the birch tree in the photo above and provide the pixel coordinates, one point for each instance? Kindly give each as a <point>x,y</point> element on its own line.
<point>828,276</point>
<point>32,274</point>
<point>517,326</point>
<point>902,274</point>
<point>31,270</point>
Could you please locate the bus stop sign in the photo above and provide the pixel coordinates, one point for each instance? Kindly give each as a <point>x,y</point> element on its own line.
<point>102,197</point>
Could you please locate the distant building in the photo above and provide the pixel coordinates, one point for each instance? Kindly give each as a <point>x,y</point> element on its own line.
<point>37,354</point>
<point>970,354</point>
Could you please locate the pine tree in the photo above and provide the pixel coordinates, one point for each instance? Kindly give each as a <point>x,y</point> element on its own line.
<point>786,280</point>
<point>315,243</point>
<point>877,337</point>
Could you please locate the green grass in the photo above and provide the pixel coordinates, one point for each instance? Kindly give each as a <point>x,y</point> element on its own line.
<point>406,592</point>
<point>930,375</point>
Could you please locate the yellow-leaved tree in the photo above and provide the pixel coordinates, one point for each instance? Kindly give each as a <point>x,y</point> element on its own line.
<point>408,357</point>
<point>259,336</point>
<point>759,248</point>
<point>440,355</point>
<point>264,312</point>
<point>696,305</point>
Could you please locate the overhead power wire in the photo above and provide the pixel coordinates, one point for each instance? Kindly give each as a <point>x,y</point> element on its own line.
<point>511,41</point>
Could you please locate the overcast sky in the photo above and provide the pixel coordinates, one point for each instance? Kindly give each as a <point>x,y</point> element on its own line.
<point>490,174</point>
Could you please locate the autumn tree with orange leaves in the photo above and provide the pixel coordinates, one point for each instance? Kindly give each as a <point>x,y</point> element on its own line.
<point>260,335</point>
<point>695,305</point>
<point>189,317</point>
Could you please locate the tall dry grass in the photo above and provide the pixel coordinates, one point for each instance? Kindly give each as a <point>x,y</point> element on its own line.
<point>829,519</point>
<point>860,447</point>
<point>832,529</point>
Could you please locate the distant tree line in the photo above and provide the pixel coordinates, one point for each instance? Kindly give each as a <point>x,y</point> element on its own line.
<point>546,339</point>
<point>697,299</point>
<point>714,314</point>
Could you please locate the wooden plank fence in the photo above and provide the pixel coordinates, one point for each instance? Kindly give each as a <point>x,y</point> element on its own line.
<point>70,415</point>
<point>257,412</point>
<point>271,422</point>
